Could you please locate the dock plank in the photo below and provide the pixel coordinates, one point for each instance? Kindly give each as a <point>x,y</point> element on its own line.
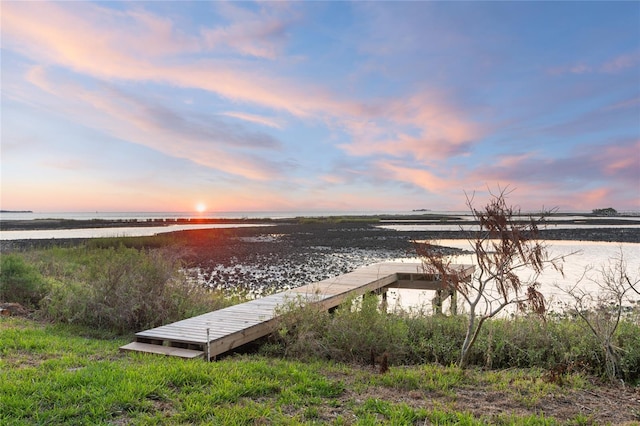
<point>162,350</point>
<point>236,325</point>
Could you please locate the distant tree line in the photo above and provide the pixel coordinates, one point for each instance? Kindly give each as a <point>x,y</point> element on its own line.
<point>609,211</point>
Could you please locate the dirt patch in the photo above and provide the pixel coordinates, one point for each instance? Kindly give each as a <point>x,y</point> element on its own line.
<point>602,403</point>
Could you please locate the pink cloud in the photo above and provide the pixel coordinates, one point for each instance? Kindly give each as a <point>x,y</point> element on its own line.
<point>422,126</point>
<point>333,179</point>
<point>597,173</point>
<point>77,38</point>
<point>629,103</point>
<point>432,129</point>
<point>253,118</point>
<point>622,160</point>
<point>618,159</point>
<point>254,38</point>
<point>132,119</point>
<point>591,199</point>
<point>596,197</point>
<point>513,161</point>
<point>260,33</point>
<point>419,177</point>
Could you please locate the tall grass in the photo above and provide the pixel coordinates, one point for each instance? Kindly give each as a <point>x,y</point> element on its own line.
<point>124,289</point>
<point>20,282</point>
<point>143,242</point>
<point>118,288</point>
<point>358,331</point>
<point>306,220</point>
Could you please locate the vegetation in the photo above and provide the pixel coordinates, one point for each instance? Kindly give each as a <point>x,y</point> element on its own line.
<point>357,365</point>
<point>501,247</point>
<point>123,290</point>
<point>337,219</point>
<point>359,332</point>
<point>119,288</point>
<point>64,374</point>
<point>20,282</point>
<point>603,311</point>
<point>141,243</point>
<point>609,211</point>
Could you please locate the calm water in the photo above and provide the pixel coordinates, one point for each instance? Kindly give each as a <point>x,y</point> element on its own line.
<point>193,215</point>
<point>121,231</point>
<point>129,231</point>
<point>590,256</point>
<point>445,227</point>
<point>249,215</point>
<point>587,254</point>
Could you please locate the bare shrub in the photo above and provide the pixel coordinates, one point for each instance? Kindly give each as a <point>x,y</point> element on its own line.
<point>602,311</point>
<point>502,247</point>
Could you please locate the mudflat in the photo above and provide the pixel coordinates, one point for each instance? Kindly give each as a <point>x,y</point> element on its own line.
<point>287,254</point>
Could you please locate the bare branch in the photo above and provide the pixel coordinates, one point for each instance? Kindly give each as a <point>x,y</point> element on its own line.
<point>504,245</point>
<point>602,311</point>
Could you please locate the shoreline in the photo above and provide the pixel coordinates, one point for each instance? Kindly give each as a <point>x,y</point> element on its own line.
<point>263,259</point>
<point>386,219</point>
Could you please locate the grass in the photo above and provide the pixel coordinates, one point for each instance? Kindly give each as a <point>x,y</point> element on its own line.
<point>71,372</point>
<point>117,287</point>
<point>337,219</point>
<point>358,331</point>
<point>64,374</point>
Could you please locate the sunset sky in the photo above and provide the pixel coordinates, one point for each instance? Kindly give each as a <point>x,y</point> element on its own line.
<point>239,106</point>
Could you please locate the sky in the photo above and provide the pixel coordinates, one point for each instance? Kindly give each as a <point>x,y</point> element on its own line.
<point>319,106</point>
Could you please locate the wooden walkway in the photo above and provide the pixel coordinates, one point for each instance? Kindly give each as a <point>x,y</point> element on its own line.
<point>217,332</point>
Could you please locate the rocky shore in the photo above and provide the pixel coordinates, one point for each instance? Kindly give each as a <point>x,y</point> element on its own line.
<point>257,261</point>
<point>261,260</point>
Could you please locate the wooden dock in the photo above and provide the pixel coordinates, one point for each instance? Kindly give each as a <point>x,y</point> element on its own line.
<point>217,332</point>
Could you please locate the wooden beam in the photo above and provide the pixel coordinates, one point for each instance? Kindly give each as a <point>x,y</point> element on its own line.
<point>231,327</point>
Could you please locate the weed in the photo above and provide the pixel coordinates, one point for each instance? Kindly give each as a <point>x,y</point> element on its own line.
<point>120,288</point>
<point>20,282</point>
<point>359,332</point>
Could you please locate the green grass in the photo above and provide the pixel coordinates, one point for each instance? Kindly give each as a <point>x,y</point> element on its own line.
<point>115,287</point>
<point>109,285</point>
<point>337,219</point>
<point>358,330</point>
<point>63,374</point>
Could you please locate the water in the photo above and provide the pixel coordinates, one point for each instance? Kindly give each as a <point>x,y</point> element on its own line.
<point>588,254</point>
<point>427,224</point>
<point>123,231</point>
<point>464,215</point>
<point>193,215</point>
<point>447,227</point>
<point>142,231</point>
<point>581,256</point>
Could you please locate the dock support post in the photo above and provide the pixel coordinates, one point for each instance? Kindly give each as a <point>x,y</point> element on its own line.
<point>208,346</point>
<point>436,303</point>
<point>454,302</point>
<point>384,304</point>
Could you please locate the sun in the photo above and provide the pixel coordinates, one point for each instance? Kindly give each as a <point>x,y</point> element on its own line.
<point>201,207</point>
